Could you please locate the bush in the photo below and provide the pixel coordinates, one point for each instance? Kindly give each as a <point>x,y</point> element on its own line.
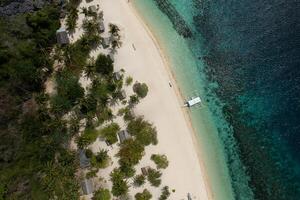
<point>127,112</point>
<point>139,180</point>
<point>100,160</point>
<point>110,133</point>
<point>144,132</point>
<point>128,80</point>
<point>133,100</point>
<point>101,194</point>
<point>104,65</point>
<point>154,177</point>
<point>165,193</point>
<point>141,89</point>
<point>145,195</point>
<point>161,161</point>
<point>120,186</point>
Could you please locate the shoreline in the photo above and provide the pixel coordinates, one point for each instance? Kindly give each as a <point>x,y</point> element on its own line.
<point>179,96</point>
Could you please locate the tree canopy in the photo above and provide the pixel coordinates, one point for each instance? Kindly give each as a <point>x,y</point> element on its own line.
<point>102,194</point>
<point>104,64</point>
<point>144,132</point>
<point>145,195</point>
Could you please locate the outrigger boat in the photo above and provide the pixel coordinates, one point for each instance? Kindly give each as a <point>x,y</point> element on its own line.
<point>193,101</point>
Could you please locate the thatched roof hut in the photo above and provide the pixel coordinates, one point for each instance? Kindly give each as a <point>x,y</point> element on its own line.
<point>62,36</point>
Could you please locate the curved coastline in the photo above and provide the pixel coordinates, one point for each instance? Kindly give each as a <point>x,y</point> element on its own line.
<point>218,176</point>
<point>179,95</point>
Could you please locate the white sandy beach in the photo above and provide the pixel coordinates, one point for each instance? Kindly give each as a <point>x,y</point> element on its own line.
<point>141,58</point>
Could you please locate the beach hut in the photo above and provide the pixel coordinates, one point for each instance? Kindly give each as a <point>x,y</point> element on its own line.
<point>87,186</point>
<point>101,26</point>
<point>117,76</point>
<point>111,56</point>
<point>123,135</point>
<point>122,95</point>
<point>84,161</point>
<point>62,36</point>
<point>105,42</point>
<point>93,9</point>
<point>145,170</point>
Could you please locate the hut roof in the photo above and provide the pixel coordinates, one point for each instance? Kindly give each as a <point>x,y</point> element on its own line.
<point>62,36</point>
<point>122,94</point>
<point>117,75</point>
<point>87,186</point>
<point>145,170</point>
<point>123,135</point>
<point>101,26</point>
<point>93,8</point>
<point>106,42</point>
<point>84,161</point>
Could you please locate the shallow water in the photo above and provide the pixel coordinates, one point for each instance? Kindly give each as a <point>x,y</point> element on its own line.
<point>243,60</point>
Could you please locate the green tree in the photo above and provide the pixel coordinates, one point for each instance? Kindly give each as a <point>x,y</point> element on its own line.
<point>120,186</point>
<point>110,133</point>
<point>130,153</point>
<point>139,180</point>
<point>101,159</point>
<point>88,137</point>
<point>154,177</point>
<point>104,65</point>
<point>72,17</point>
<point>128,80</point>
<point>144,132</point>
<point>69,91</point>
<point>141,89</point>
<point>161,161</point>
<point>145,195</point>
<point>102,194</point>
<point>165,193</point>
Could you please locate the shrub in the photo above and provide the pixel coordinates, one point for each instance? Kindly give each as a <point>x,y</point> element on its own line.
<point>91,174</point>
<point>144,132</point>
<point>100,160</point>
<point>139,180</point>
<point>104,65</point>
<point>133,100</point>
<point>145,195</point>
<point>128,80</point>
<point>88,137</point>
<point>161,161</point>
<point>101,194</point>
<point>154,177</point>
<point>110,133</point>
<point>141,89</point>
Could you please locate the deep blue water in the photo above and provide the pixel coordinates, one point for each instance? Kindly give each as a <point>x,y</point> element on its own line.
<point>252,50</point>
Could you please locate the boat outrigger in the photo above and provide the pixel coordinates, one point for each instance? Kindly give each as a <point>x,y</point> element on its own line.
<point>193,101</point>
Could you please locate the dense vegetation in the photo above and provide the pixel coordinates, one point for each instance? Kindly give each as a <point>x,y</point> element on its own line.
<point>34,163</point>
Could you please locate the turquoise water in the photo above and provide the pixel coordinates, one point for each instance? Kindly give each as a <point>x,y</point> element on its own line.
<point>186,71</point>
<point>242,57</point>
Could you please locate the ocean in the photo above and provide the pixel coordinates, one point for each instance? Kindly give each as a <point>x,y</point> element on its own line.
<point>243,58</point>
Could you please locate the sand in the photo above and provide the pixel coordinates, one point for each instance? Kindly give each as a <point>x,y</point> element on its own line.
<point>142,59</point>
